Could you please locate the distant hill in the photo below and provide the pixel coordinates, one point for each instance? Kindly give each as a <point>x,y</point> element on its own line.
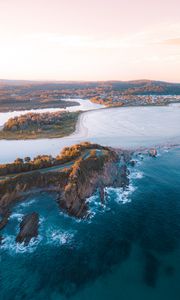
<point>134,87</point>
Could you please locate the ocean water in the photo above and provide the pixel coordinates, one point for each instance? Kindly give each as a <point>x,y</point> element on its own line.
<point>128,249</point>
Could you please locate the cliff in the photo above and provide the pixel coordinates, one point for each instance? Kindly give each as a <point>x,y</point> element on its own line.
<point>94,168</point>
<point>88,175</point>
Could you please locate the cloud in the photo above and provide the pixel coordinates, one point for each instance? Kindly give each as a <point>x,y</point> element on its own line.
<point>173,42</point>
<point>164,34</point>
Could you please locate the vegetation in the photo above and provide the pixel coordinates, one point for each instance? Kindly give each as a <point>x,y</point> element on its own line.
<point>27,164</point>
<point>34,125</point>
<point>19,95</point>
<point>73,181</point>
<point>28,181</point>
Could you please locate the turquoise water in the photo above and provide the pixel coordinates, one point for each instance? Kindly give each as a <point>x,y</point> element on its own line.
<point>128,249</point>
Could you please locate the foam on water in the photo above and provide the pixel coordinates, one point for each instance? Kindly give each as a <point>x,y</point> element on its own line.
<point>13,248</point>
<point>16,215</point>
<point>120,195</point>
<point>59,237</point>
<point>136,175</point>
<point>132,251</point>
<point>95,206</point>
<point>27,203</point>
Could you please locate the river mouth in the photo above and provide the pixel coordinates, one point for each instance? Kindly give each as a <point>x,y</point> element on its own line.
<point>128,127</point>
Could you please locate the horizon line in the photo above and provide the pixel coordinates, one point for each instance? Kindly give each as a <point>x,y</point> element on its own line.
<point>83,81</point>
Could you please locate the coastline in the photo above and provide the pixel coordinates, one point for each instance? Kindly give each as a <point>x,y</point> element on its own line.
<point>77,126</point>
<point>109,134</point>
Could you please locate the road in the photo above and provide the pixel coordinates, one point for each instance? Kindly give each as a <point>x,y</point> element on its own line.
<point>61,167</point>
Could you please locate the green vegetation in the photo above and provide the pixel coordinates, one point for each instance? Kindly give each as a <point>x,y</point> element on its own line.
<point>43,125</point>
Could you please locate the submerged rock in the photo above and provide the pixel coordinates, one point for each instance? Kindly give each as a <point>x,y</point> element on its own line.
<point>28,228</point>
<point>102,194</point>
<point>151,269</point>
<point>1,240</point>
<point>153,152</point>
<point>4,219</point>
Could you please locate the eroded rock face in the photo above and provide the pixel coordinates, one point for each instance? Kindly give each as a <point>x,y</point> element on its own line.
<point>17,188</point>
<point>89,175</point>
<point>28,228</point>
<point>95,168</point>
<point>4,217</point>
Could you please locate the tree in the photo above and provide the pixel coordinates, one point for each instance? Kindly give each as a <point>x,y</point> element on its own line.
<point>19,161</point>
<point>27,159</point>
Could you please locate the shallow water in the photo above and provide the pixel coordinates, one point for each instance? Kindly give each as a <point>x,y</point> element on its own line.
<point>129,127</point>
<point>83,105</point>
<point>128,249</point>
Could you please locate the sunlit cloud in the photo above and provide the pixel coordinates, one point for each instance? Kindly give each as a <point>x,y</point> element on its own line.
<point>162,34</point>
<point>89,42</point>
<point>173,42</point>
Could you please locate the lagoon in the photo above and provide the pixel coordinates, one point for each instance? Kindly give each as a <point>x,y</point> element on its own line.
<point>127,127</point>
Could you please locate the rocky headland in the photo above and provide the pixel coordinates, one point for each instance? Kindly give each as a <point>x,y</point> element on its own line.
<point>91,174</point>
<point>90,168</point>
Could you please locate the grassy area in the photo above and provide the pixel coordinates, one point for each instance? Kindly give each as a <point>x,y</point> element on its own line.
<point>54,131</point>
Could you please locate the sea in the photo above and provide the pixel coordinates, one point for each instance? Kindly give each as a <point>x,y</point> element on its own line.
<point>127,249</point>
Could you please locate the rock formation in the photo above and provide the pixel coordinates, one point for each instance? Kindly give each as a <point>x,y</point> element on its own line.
<point>94,168</point>
<point>28,228</point>
<point>153,152</point>
<point>87,176</point>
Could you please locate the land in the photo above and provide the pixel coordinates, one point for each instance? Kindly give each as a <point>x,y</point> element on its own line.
<point>136,100</point>
<point>25,95</point>
<point>74,175</point>
<point>21,95</point>
<point>43,125</point>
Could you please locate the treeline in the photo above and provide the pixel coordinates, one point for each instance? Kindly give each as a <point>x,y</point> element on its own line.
<point>45,161</point>
<point>37,121</point>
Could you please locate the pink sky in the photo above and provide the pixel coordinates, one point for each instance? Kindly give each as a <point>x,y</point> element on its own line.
<point>90,39</point>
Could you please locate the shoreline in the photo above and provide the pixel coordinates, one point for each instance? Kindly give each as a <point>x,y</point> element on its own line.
<point>78,123</point>
<point>124,140</point>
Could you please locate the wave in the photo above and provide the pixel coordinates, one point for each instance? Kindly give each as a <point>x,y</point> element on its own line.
<point>10,245</point>
<point>136,175</point>
<point>27,203</point>
<point>17,216</point>
<point>120,195</point>
<point>59,237</point>
<point>54,237</point>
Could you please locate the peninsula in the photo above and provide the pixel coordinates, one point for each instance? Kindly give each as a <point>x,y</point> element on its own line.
<point>74,175</point>
<point>40,125</point>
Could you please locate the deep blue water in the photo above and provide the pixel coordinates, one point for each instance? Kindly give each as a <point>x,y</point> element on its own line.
<point>128,249</point>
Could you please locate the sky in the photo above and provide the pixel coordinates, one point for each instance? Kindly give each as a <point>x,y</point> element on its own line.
<point>90,39</point>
